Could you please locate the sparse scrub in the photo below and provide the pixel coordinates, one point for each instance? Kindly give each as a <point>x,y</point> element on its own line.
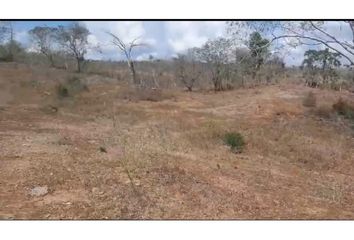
<point>145,94</point>
<point>62,91</point>
<point>153,95</point>
<point>323,111</point>
<point>345,109</point>
<point>309,100</point>
<point>72,86</point>
<point>235,140</point>
<point>136,146</point>
<point>187,71</point>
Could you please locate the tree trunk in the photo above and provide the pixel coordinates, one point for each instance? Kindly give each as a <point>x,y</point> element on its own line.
<point>132,72</point>
<point>51,61</point>
<point>217,84</point>
<point>154,78</point>
<point>217,80</point>
<point>78,65</point>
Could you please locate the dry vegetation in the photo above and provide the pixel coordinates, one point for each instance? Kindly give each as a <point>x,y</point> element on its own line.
<point>107,151</point>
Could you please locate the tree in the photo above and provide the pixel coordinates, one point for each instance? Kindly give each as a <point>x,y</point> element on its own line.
<point>259,51</point>
<point>322,62</point>
<point>309,33</point>
<point>5,30</point>
<point>7,35</point>
<point>126,49</point>
<point>11,51</point>
<point>43,38</point>
<point>10,48</point>
<point>74,41</point>
<point>187,69</point>
<point>216,54</point>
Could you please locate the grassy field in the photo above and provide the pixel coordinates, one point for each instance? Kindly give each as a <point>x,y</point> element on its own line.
<point>104,153</point>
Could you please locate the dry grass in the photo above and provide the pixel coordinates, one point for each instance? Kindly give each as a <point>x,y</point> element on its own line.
<point>324,111</point>
<point>309,100</point>
<point>344,108</point>
<point>165,159</point>
<point>145,94</point>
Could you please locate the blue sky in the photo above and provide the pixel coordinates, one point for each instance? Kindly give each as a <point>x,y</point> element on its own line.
<point>27,25</point>
<point>164,38</point>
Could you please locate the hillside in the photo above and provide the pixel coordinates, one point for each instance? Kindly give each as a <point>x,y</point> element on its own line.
<point>102,154</point>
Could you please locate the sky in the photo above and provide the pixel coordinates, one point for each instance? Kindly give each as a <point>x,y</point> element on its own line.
<point>163,39</point>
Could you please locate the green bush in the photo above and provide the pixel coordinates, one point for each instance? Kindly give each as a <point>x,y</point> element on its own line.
<point>235,141</point>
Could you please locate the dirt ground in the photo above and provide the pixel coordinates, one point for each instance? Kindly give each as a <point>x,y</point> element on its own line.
<point>102,156</point>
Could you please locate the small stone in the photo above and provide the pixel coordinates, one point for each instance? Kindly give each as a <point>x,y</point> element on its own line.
<point>39,191</point>
<point>102,149</point>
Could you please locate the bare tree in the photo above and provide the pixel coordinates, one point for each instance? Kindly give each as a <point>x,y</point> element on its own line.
<point>126,49</point>
<point>11,47</point>
<point>74,41</point>
<point>43,38</point>
<point>216,54</point>
<point>187,69</point>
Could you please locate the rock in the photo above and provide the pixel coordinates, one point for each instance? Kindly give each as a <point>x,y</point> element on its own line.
<point>39,191</point>
<point>102,149</point>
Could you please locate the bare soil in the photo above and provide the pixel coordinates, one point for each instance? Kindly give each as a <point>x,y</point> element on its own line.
<point>102,156</point>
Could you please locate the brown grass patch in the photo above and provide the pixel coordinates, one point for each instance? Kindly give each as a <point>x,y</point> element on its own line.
<point>145,94</point>
<point>309,100</point>
<point>323,111</point>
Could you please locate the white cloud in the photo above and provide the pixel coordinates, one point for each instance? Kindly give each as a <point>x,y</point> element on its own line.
<point>146,56</point>
<point>163,38</point>
<point>183,35</point>
<point>166,38</point>
<point>23,38</point>
<point>126,30</point>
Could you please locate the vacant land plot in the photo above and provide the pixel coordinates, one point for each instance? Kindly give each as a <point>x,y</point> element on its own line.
<point>102,155</point>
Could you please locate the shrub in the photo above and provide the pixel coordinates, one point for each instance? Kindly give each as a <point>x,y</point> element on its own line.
<point>235,141</point>
<point>323,111</point>
<point>72,86</point>
<point>344,109</point>
<point>62,91</point>
<point>76,85</point>
<point>309,100</point>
